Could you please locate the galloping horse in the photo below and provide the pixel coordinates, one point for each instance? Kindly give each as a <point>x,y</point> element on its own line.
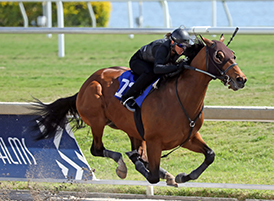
<point>172,114</point>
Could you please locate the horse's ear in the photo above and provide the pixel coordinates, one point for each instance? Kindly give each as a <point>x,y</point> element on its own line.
<point>222,38</point>
<point>206,41</point>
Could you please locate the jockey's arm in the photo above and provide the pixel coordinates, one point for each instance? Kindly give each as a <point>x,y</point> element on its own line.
<point>160,64</point>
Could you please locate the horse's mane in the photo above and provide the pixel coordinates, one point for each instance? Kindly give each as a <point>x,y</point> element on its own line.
<point>193,50</point>
<point>189,53</point>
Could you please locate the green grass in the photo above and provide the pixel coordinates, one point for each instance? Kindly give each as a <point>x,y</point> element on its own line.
<point>29,66</point>
<point>244,154</point>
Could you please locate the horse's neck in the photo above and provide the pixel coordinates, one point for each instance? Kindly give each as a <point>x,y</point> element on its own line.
<point>200,62</point>
<point>194,84</point>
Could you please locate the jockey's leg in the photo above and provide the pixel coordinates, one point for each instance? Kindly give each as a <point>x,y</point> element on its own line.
<point>137,88</point>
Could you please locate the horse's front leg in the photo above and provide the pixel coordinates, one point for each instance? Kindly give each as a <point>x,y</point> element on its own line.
<point>152,173</point>
<point>197,144</point>
<point>141,155</point>
<point>170,179</point>
<point>142,167</point>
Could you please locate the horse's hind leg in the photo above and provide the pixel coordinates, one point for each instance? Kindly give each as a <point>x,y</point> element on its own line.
<point>98,149</point>
<point>197,144</point>
<point>89,107</point>
<point>121,170</point>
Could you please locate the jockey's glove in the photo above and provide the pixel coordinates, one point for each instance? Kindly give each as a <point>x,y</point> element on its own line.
<point>181,65</point>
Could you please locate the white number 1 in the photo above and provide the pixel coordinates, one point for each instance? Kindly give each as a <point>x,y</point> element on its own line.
<point>125,85</point>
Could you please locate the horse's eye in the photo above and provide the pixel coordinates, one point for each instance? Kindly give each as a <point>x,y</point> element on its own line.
<point>218,57</point>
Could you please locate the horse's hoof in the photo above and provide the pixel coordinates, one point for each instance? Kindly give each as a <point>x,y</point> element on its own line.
<point>170,180</point>
<point>181,178</point>
<point>121,174</point>
<point>121,170</point>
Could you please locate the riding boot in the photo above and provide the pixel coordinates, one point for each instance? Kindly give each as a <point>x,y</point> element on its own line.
<point>136,90</point>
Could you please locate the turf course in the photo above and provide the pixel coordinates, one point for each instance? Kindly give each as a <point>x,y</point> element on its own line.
<point>29,66</point>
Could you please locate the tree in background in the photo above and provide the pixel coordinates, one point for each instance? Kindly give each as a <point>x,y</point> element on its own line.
<point>75,13</point>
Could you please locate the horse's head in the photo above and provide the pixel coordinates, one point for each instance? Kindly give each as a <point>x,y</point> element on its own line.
<point>220,61</point>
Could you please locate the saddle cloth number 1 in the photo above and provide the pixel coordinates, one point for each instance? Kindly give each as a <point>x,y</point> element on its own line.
<point>125,84</point>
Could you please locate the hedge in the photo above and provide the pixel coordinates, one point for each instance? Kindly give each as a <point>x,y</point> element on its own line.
<point>75,13</point>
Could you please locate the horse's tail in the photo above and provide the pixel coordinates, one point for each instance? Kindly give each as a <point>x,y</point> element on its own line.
<point>52,117</point>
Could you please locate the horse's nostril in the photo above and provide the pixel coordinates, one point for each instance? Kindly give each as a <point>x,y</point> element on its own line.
<point>241,80</point>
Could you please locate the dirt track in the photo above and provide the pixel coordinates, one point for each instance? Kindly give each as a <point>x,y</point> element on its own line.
<point>76,196</point>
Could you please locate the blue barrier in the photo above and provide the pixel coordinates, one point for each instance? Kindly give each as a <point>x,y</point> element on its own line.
<point>22,157</point>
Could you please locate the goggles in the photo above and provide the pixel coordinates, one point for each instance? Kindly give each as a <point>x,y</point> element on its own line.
<point>182,45</point>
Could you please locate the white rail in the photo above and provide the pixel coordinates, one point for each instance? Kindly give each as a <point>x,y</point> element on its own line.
<point>216,113</point>
<point>164,4</point>
<point>66,30</point>
<point>85,30</point>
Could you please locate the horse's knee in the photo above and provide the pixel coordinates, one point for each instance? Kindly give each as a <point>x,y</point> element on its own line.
<point>210,156</point>
<point>96,152</point>
<point>153,179</point>
<point>154,175</point>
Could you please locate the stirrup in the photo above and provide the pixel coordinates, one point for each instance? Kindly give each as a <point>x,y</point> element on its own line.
<point>128,106</point>
<point>130,98</point>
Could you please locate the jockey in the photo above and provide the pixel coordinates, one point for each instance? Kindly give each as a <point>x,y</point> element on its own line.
<point>153,60</point>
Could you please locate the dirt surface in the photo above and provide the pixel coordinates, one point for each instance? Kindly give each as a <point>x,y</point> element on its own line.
<point>25,195</point>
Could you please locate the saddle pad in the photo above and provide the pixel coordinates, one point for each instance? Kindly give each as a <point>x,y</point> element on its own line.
<point>126,80</point>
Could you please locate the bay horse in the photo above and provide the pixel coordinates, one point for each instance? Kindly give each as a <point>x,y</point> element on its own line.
<point>172,114</point>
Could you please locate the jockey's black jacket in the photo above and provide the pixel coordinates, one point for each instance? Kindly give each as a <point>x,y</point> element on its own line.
<point>158,52</point>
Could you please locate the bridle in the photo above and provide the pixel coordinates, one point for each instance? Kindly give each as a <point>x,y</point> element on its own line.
<point>219,67</point>
<point>210,63</point>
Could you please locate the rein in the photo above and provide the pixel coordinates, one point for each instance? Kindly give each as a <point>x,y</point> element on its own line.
<point>191,122</point>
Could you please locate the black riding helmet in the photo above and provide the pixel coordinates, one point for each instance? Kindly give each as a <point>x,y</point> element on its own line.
<point>180,36</point>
